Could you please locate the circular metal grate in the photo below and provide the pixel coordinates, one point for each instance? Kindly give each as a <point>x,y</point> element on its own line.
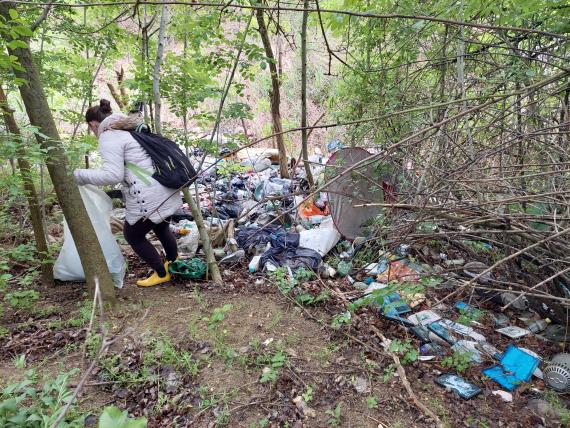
<point>557,373</point>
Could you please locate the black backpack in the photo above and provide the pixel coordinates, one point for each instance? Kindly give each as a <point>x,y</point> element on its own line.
<point>172,167</point>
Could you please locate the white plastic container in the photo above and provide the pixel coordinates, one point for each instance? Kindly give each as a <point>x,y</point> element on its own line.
<point>254,264</point>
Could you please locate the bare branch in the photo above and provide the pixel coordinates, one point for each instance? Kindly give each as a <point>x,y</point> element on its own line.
<point>41,18</point>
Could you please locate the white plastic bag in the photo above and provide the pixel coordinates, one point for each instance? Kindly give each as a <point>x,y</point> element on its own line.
<point>68,265</point>
<point>321,239</point>
<point>188,244</point>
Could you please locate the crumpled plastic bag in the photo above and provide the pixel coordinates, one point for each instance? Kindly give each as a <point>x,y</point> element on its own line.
<point>188,244</point>
<point>68,266</point>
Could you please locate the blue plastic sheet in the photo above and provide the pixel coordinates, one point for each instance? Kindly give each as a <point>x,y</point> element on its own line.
<point>515,367</point>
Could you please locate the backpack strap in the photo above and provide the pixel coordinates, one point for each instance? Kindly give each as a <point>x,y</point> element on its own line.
<point>142,127</point>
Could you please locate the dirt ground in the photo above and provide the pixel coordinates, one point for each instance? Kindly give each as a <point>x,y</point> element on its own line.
<point>217,345</point>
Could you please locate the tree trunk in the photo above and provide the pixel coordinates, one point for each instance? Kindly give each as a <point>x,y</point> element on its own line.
<point>213,268</point>
<point>274,94</point>
<point>304,136</point>
<point>31,194</point>
<point>39,113</point>
<point>156,72</point>
<point>144,40</point>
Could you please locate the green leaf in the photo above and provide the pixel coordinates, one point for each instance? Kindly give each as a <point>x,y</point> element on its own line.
<point>23,31</point>
<point>14,44</point>
<point>113,417</point>
<point>13,13</point>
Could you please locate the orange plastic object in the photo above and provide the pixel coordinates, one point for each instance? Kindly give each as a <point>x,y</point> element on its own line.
<point>309,209</point>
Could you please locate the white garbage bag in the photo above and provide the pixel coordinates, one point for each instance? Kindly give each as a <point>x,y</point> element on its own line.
<point>322,239</point>
<point>68,265</point>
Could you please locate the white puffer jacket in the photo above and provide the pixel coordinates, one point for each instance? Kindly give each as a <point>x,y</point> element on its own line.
<point>126,162</point>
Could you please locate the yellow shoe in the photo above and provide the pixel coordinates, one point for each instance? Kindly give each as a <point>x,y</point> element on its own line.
<point>166,266</point>
<point>168,263</point>
<point>154,279</point>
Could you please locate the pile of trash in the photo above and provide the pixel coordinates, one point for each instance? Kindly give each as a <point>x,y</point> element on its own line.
<point>459,334</point>
<point>251,213</point>
<point>264,222</point>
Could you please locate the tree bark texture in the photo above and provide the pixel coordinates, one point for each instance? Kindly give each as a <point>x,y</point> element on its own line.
<point>304,135</point>
<point>213,268</point>
<point>31,194</point>
<point>156,71</point>
<point>274,94</point>
<point>39,113</point>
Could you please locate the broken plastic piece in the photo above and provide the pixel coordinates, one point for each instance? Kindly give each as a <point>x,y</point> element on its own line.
<point>458,385</point>
<point>374,286</point>
<point>432,349</point>
<point>490,350</point>
<point>443,332</point>
<point>501,320</point>
<point>424,317</point>
<point>463,330</point>
<point>504,395</point>
<point>469,347</point>
<point>513,332</point>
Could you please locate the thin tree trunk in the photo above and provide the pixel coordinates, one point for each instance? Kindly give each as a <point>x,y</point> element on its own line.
<point>156,72</point>
<point>31,194</point>
<point>213,268</point>
<point>143,61</point>
<point>39,113</point>
<point>274,94</point>
<point>185,109</point>
<point>90,94</point>
<point>304,137</point>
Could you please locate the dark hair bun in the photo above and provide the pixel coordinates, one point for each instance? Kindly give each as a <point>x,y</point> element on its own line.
<point>105,106</point>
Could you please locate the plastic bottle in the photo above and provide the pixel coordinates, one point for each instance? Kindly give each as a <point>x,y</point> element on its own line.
<point>254,264</point>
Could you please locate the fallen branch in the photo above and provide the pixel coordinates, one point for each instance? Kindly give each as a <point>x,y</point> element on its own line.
<point>403,378</point>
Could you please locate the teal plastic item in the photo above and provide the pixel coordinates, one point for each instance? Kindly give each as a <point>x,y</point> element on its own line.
<point>258,193</point>
<point>191,269</point>
<point>515,367</point>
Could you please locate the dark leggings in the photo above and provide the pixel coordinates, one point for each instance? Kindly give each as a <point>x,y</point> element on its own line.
<point>135,235</point>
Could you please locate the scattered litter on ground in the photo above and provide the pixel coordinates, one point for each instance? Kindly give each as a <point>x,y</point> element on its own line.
<point>458,385</point>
